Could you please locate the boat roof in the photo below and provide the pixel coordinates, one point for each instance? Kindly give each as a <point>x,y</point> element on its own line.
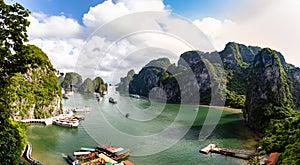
<point>81,153</point>
<point>122,152</point>
<point>87,149</point>
<point>107,159</point>
<point>114,150</point>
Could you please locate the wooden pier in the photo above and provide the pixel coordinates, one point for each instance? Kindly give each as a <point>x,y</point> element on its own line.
<point>226,151</point>
<point>47,121</point>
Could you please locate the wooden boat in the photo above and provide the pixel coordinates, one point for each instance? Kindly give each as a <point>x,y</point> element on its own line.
<point>114,153</point>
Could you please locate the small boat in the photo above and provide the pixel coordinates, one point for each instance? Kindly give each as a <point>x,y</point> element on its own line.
<point>127,115</point>
<point>72,160</point>
<point>114,153</point>
<point>84,109</point>
<point>112,100</point>
<point>135,96</point>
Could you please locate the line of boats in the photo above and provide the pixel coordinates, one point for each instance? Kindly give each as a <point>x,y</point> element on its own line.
<point>105,154</point>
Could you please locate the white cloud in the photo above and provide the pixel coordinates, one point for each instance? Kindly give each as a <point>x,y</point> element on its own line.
<point>62,53</point>
<point>63,39</point>
<point>217,30</point>
<point>44,26</point>
<point>274,24</point>
<point>108,10</point>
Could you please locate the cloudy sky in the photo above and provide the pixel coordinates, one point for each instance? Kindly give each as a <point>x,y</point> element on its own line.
<point>107,38</point>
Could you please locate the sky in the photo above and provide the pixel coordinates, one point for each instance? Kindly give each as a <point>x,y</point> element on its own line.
<point>107,38</point>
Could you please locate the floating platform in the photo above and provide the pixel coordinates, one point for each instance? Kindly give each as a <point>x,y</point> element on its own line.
<point>226,151</point>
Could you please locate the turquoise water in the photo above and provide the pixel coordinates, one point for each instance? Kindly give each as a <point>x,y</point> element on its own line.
<point>155,133</point>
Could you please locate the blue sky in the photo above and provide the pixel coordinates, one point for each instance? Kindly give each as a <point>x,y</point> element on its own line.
<point>191,9</point>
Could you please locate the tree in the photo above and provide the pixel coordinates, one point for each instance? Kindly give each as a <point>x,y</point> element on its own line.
<point>13,34</point>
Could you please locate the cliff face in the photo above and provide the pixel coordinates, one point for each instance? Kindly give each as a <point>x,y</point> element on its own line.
<point>294,75</point>
<point>36,93</point>
<point>268,94</point>
<point>176,83</point>
<point>237,61</point>
<point>123,86</point>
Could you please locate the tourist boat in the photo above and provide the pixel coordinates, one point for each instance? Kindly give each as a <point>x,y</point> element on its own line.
<point>114,153</point>
<point>112,100</point>
<point>66,123</point>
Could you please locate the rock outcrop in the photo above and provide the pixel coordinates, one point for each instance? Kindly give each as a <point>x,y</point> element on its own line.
<point>35,93</point>
<point>72,81</point>
<point>268,94</point>
<point>87,86</point>
<point>99,86</point>
<point>123,86</point>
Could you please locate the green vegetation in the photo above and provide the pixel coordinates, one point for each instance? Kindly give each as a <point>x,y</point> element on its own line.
<point>87,86</point>
<point>282,135</point>
<point>99,85</point>
<point>272,114</point>
<point>13,25</point>
<point>36,89</point>
<point>28,82</point>
<point>72,81</point>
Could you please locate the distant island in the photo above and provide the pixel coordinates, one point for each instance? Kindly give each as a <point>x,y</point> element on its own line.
<point>72,81</point>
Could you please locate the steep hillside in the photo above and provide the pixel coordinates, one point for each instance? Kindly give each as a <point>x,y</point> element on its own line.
<point>268,94</point>
<point>35,93</point>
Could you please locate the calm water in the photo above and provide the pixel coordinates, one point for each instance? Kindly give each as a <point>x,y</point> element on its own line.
<point>155,133</point>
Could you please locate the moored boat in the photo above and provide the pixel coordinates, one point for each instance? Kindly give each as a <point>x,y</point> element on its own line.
<point>114,153</point>
<point>112,100</point>
<point>72,160</point>
<point>135,96</point>
<point>67,123</point>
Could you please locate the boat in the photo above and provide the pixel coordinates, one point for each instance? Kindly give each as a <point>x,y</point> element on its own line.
<point>72,160</point>
<point>112,100</point>
<point>80,153</point>
<point>135,96</point>
<point>66,122</point>
<point>114,153</point>
<point>83,109</point>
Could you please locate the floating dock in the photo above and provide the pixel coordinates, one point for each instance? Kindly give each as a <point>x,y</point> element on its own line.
<point>226,151</point>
